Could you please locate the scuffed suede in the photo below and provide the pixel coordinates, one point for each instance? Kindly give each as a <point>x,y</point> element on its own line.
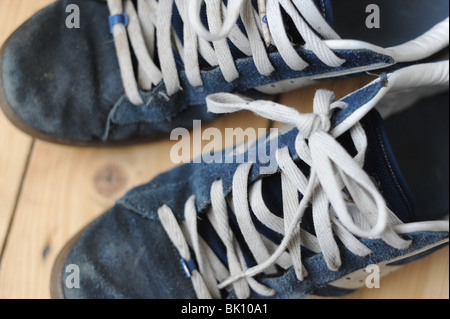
<point>60,81</point>
<point>121,257</point>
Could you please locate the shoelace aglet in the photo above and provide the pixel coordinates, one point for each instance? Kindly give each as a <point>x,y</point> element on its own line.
<point>263,19</point>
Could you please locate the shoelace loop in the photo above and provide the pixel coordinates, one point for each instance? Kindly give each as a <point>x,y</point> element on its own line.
<point>332,169</point>
<point>153,38</point>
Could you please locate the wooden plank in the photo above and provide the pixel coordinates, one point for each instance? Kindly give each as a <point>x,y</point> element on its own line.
<point>14,145</point>
<point>15,148</point>
<point>65,188</point>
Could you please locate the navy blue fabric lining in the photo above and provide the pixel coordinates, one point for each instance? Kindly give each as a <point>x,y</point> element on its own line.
<point>400,20</point>
<point>383,168</point>
<point>326,9</point>
<point>419,138</point>
<point>207,232</point>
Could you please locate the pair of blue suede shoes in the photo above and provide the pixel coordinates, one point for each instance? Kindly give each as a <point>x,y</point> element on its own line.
<point>361,181</point>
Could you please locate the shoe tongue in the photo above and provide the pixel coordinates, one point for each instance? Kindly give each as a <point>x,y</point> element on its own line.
<point>380,164</point>
<point>382,167</point>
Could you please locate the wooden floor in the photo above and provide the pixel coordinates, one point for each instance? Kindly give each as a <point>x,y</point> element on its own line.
<point>49,192</point>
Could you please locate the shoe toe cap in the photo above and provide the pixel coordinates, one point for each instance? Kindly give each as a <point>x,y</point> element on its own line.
<point>124,255</point>
<point>63,81</point>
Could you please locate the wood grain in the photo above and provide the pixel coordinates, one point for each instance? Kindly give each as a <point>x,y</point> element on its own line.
<point>14,150</point>
<point>14,145</point>
<point>65,188</point>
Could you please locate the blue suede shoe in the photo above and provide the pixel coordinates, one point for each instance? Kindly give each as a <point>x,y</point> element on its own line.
<point>334,203</point>
<point>86,86</point>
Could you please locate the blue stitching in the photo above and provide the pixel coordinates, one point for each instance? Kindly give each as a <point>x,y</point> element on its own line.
<point>323,9</point>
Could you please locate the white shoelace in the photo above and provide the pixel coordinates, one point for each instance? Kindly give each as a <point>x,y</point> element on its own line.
<point>332,170</point>
<point>150,27</point>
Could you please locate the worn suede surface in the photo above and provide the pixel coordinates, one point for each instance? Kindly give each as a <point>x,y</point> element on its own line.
<point>129,238</point>
<point>66,83</point>
<point>125,255</point>
<point>62,81</point>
